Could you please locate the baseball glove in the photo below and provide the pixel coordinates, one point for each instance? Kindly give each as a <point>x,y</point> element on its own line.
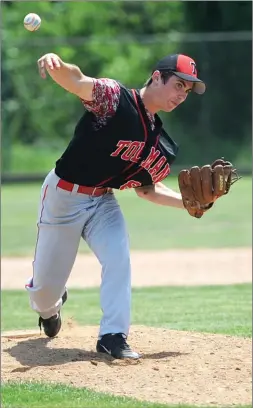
<point>200,187</point>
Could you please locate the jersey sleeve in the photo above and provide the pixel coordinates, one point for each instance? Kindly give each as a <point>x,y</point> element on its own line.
<point>106,94</point>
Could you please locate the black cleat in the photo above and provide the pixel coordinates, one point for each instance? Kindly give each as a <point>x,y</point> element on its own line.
<point>52,325</point>
<point>116,346</point>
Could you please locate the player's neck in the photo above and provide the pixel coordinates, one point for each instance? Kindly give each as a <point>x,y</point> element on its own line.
<point>148,100</point>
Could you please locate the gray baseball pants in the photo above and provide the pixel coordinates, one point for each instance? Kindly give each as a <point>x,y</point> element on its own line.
<point>63,219</point>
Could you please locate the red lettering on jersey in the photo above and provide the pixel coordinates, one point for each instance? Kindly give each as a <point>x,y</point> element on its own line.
<point>130,184</point>
<point>154,170</point>
<point>136,156</point>
<point>121,144</point>
<point>130,151</point>
<point>163,173</point>
<point>150,159</point>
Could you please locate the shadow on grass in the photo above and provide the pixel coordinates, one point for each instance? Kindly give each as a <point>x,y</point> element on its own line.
<point>37,353</point>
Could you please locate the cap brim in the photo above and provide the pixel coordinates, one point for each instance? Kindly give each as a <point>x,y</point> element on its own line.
<point>199,86</point>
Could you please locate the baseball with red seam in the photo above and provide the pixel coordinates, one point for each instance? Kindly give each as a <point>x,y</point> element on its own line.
<point>32,22</point>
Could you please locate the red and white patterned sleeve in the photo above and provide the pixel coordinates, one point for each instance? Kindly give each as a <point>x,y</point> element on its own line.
<point>106,94</point>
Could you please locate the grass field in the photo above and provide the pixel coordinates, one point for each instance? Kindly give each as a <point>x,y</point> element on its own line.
<point>228,224</point>
<point>214,309</point>
<point>217,309</point>
<point>211,309</point>
<point>59,396</point>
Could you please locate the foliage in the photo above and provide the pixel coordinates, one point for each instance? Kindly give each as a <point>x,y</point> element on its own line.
<point>223,116</point>
<point>26,96</point>
<point>123,40</point>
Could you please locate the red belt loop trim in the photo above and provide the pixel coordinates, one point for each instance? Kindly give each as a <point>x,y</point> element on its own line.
<point>93,191</point>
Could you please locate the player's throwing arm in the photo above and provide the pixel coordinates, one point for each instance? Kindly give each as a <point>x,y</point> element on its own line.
<point>68,76</point>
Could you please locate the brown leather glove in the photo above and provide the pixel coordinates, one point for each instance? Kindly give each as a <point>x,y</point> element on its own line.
<point>200,187</point>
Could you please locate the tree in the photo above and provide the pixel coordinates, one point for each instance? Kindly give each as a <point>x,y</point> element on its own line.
<point>103,38</point>
<point>220,121</point>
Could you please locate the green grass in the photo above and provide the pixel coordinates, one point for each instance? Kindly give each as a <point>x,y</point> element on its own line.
<point>217,309</point>
<point>39,395</point>
<point>227,224</point>
<point>213,309</point>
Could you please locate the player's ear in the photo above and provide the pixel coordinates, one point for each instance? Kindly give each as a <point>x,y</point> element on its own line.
<point>156,76</point>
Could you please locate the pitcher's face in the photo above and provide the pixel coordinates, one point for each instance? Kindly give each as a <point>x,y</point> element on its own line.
<point>171,94</point>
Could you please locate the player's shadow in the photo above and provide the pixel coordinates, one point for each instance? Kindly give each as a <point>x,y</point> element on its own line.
<point>38,353</point>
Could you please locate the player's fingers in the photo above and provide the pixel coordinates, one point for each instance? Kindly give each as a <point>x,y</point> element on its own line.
<point>43,73</point>
<point>56,62</point>
<point>49,62</point>
<point>41,67</point>
<point>40,63</point>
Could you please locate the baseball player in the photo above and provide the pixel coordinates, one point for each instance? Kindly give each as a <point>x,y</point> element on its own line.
<point>119,143</point>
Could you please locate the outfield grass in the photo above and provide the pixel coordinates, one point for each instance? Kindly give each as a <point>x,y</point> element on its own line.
<point>213,309</point>
<point>150,226</point>
<point>42,395</point>
<point>216,309</point>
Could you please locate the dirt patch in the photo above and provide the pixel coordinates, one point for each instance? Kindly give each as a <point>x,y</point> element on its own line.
<point>176,367</point>
<point>173,267</point>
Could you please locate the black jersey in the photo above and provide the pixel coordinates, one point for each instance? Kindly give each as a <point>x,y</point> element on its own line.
<point>127,152</point>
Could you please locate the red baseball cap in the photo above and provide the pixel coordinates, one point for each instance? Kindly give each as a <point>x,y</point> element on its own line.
<point>183,67</point>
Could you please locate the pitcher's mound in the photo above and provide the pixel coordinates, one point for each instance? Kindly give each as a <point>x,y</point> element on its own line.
<point>176,367</point>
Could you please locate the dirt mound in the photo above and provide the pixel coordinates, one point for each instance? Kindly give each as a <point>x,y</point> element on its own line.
<point>176,367</point>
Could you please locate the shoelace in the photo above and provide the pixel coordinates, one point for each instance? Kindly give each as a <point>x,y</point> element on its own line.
<point>118,340</point>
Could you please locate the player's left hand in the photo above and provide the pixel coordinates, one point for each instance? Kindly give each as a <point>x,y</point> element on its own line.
<point>201,187</point>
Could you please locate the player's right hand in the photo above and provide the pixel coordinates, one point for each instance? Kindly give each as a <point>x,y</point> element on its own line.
<point>48,62</point>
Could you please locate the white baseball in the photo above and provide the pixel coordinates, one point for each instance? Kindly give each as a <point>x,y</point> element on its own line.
<point>32,22</point>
